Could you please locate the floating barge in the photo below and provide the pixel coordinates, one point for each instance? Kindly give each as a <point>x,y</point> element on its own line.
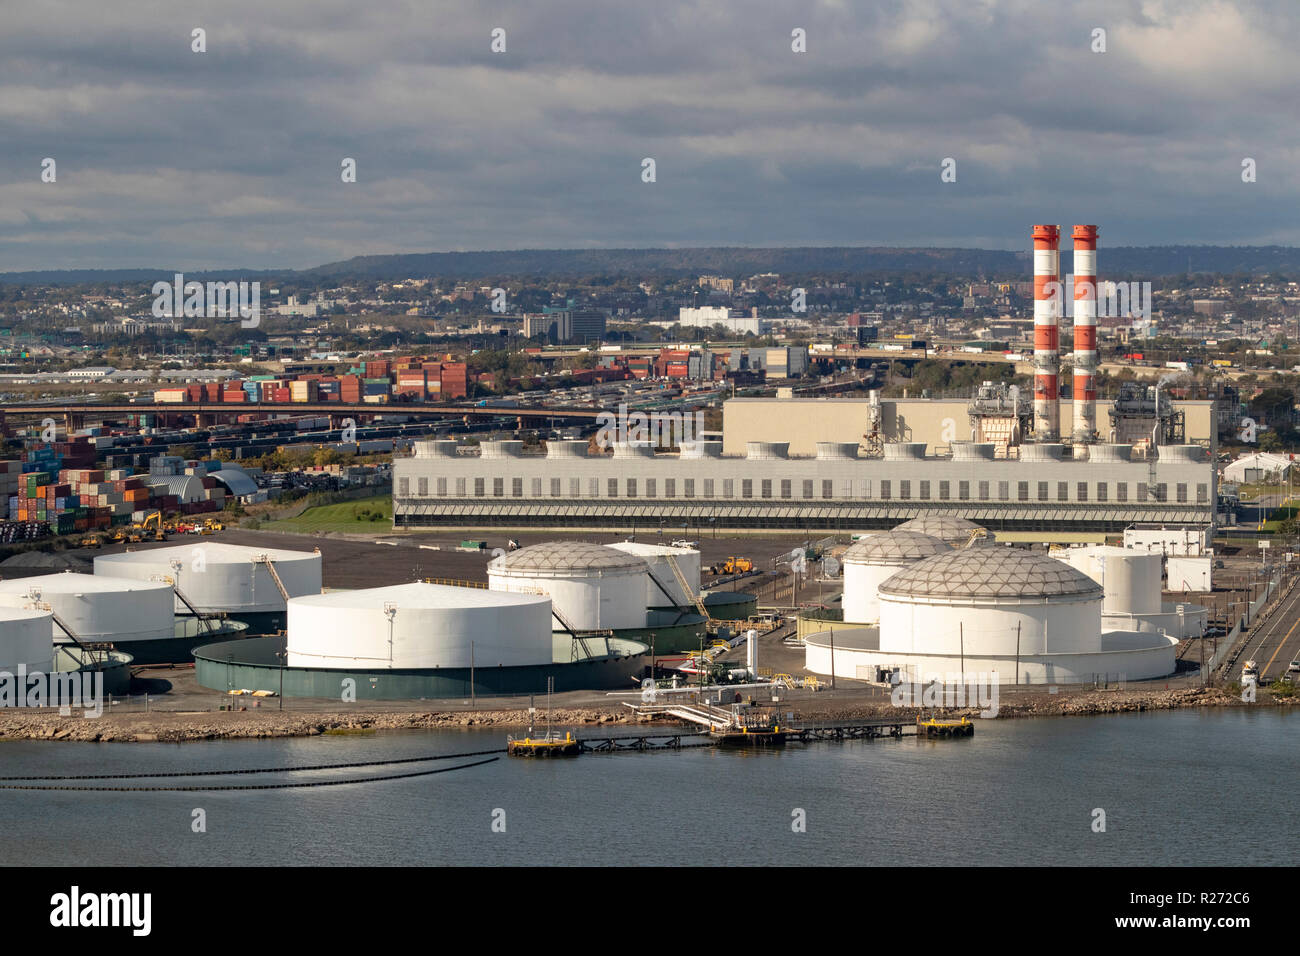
<point>933,727</point>
<point>547,745</point>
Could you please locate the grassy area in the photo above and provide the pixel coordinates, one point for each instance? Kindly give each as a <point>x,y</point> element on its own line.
<point>360,515</point>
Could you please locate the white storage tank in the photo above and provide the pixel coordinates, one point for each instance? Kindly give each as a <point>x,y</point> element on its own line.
<point>953,530</point>
<point>1000,602</point>
<point>221,577</point>
<point>875,558</point>
<point>26,638</point>
<point>98,608</point>
<point>656,557</point>
<point>593,586</point>
<point>419,626</point>
<point>1130,579</point>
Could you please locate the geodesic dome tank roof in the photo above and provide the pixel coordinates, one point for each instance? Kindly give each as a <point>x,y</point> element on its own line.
<point>990,573</point>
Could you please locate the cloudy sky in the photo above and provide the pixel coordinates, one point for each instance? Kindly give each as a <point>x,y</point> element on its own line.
<point>231,158</point>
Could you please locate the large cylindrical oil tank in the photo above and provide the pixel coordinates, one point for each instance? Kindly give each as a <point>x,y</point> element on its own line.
<point>592,586</point>
<point>221,577</point>
<point>660,578</point>
<point>419,626</point>
<point>98,608</point>
<point>876,558</point>
<point>1130,579</point>
<point>26,638</point>
<point>990,601</point>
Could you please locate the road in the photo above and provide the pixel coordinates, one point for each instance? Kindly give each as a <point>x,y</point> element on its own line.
<point>1277,642</point>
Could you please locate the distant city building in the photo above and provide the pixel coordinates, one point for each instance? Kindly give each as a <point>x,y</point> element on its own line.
<point>707,316</point>
<point>718,283</point>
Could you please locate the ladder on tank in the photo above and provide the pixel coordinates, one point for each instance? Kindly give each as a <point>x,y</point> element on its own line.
<point>86,649</point>
<point>686,588</point>
<point>579,637</point>
<point>275,576</point>
<point>203,617</point>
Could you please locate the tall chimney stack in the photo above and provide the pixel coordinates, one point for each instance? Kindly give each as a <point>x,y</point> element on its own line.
<point>1084,390</point>
<point>1047,359</point>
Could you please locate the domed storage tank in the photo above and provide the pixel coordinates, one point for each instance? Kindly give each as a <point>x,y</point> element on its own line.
<point>221,577</point>
<point>98,608</point>
<point>948,528</point>
<point>1130,579</point>
<point>27,638</point>
<point>419,626</point>
<point>592,586</point>
<point>990,602</point>
<point>656,558</point>
<point>874,559</point>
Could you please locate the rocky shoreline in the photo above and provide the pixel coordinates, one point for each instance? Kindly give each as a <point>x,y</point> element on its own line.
<point>191,726</point>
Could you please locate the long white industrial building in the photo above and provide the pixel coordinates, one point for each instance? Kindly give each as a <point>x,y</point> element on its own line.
<point>1045,489</point>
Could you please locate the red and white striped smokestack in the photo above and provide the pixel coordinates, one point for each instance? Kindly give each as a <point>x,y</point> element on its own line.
<point>1047,308</point>
<point>1084,391</point>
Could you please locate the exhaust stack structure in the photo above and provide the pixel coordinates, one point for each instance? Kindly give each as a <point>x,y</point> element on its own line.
<point>1047,307</point>
<point>1084,391</point>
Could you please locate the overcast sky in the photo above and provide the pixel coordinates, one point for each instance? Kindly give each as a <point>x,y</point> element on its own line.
<point>231,158</point>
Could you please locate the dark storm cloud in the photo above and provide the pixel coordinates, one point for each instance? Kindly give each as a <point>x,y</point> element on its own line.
<point>231,158</point>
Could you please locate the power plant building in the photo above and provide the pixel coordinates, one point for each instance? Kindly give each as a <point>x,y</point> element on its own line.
<point>1044,490</point>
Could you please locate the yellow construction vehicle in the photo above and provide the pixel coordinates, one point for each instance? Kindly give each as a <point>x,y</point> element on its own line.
<point>154,518</point>
<point>212,524</point>
<point>733,565</point>
<point>118,536</point>
<point>90,541</point>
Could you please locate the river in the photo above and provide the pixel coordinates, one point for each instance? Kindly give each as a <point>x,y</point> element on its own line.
<point>1177,787</point>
